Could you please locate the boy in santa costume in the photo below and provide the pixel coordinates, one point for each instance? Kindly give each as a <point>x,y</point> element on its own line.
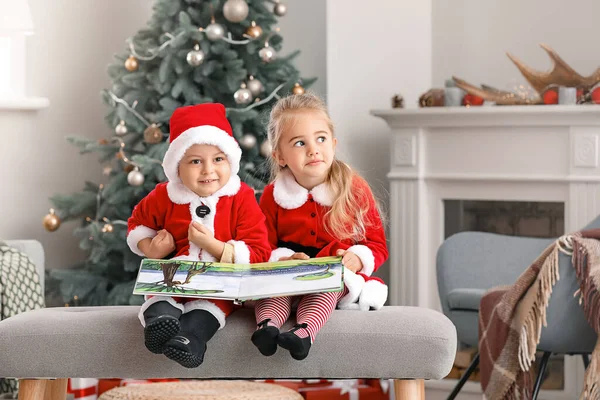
<point>204,212</point>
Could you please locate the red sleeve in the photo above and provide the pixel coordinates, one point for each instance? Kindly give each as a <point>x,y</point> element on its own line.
<point>146,219</point>
<point>251,244</point>
<point>372,250</point>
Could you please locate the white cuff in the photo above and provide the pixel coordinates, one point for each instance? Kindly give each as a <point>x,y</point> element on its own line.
<point>137,234</point>
<point>207,306</point>
<point>366,257</point>
<point>279,253</point>
<point>153,300</point>
<point>241,252</point>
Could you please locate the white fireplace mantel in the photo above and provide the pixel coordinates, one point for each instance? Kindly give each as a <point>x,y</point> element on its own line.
<point>510,153</point>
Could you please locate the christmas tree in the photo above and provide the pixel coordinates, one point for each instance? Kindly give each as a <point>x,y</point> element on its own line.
<point>192,51</point>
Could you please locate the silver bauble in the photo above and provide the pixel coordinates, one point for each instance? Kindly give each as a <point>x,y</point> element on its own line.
<point>255,86</point>
<point>280,9</point>
<point>265,149</point>
<point>121,129</point>
<point>235,10</point>
<point>248,141</point>
<point>249,166</point>
<point>267,54</point>
<point>135,178</point>
<point>242,95</point>
<point>214,31</point>
<point>195,57</point>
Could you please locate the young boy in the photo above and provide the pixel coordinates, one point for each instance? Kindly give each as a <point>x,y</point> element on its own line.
<point>204,212</point>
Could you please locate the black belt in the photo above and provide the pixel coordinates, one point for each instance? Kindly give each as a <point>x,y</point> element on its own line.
<point>298,248</point>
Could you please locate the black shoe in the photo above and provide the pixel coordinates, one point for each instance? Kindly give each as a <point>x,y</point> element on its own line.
<point>265,338</point>
<point>188,348</point>
<point>297,346</point>
<point>162,323</point>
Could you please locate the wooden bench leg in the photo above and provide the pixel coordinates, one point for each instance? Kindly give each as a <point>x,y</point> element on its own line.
<point>42,389</point>
<point>409,389</point>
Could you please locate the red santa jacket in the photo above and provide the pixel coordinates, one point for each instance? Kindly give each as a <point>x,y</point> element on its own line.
<point>234,218</point>
<point>294,218</point>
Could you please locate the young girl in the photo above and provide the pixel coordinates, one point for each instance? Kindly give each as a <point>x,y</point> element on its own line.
<point>317,206</point>
<point>202,213</point>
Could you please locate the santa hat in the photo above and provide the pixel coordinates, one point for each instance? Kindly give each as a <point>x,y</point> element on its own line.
<point>200,124</point>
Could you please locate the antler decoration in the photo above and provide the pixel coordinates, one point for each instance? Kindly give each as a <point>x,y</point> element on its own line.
<point>561,74</point>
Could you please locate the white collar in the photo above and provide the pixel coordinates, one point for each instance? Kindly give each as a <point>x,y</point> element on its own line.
<point>180,194</point>
<point>289,194</point>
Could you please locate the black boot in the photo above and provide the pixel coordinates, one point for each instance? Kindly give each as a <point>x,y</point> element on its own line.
<point>265,338</point>
<point>188,348</point>
<point>297,346</point>
<point>162,323</point>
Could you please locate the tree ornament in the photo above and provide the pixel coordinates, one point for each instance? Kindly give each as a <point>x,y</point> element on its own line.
<point>248,141</point>
<point>280,9</point>
<point>121,128</point>
<point>235,10</point>
<point>242,95</point>
<point>107,228</point>
<point>153,134</point>
<point>265,149</point>
<point>135,177</point>
<point>195,57</point>
<point>267,53</point>
<point>131,64</point>
<point>255,86</point>
<point>297,89</point>
<point>249,166</point>
<point>254,31</point>
<point>128,168</point>
<point>102,141</point>
<point>214,31</point>
<point>106,170</point>
<point>51,221</point>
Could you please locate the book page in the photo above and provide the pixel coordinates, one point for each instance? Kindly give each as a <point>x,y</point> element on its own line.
<point>189,279</point>
<point>291,278</point>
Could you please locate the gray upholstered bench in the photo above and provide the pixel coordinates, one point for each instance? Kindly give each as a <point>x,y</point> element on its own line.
<point>407,344</point>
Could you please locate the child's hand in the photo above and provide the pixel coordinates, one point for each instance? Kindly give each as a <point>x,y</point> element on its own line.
<point>161,245</point>
<point>350,260</point>
<point>295,256</point>
<point>200,235</point>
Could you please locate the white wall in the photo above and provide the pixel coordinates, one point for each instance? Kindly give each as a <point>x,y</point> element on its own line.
<point>374,52</point>
<point>471,38</point>
<point>74,42</point>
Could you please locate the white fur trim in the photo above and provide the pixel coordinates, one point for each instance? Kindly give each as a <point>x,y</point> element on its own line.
<point>153,300</point>
<point>208,306</point>
<point>289,194</point>
<point>205,134</point>
<point>373,295</point>
<point>241,252</point>
<point>354,283</point>
<point>137,234</point>
<point>180,194</point>
<point>366,257</point>
<point>279,253</point>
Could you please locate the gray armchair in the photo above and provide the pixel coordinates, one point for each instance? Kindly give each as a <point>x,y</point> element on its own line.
<point>470,263</point>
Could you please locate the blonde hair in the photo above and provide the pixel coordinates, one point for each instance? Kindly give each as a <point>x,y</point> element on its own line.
<point>347,218</point>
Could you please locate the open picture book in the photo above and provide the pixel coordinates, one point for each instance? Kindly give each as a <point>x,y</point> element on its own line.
<point>239,282</point>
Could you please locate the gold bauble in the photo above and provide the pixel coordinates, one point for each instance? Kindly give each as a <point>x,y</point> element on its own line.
<point>131,64</point>
<point>107,228</point>
<point>51,221</point>
<point>153,134</point>
<point>254,31</point>
<point>102,141</point>
<point>298,89</point>
<point>128,168</point>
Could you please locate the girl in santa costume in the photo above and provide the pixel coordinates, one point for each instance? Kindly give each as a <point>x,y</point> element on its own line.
<point>204,212</point>
<point>317,206</point>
